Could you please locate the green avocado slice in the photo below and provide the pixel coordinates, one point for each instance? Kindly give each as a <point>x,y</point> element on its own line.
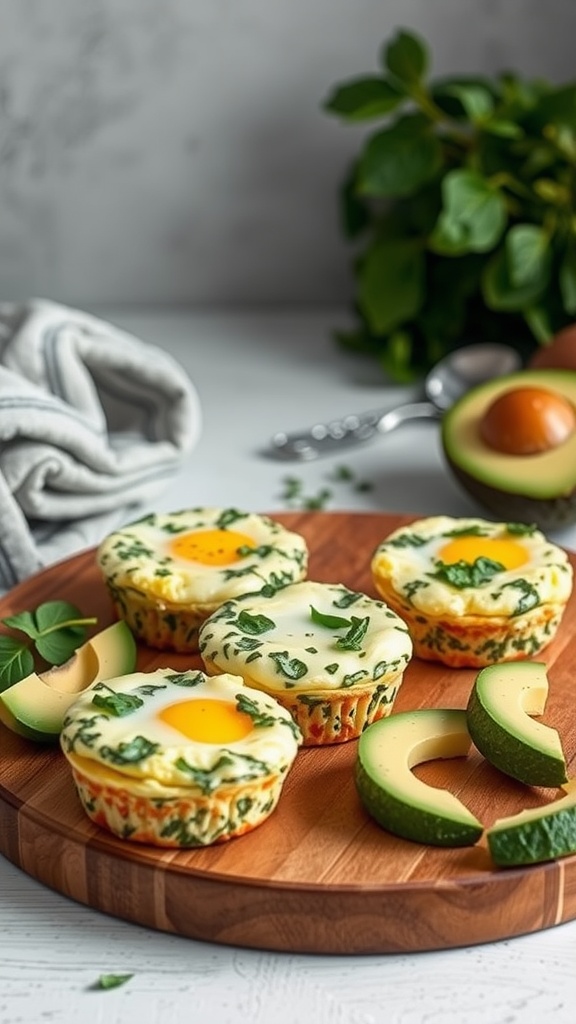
<point>35,707</point>
<point>498,713</point>
<point>536,835</point>
<point>391,793</point>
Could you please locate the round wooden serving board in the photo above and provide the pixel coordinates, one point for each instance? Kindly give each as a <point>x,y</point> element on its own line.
<point>319,875</point>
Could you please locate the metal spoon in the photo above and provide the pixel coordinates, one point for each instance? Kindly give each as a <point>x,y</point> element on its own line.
<point>450,378</point>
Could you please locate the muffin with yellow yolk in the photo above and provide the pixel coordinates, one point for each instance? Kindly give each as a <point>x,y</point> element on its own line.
<point>333,657</point>
<point>473,592</point>
<point>166,573</point>
<point>177,759</point>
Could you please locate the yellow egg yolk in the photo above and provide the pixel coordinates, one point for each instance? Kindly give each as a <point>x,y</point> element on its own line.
<point>208,720</point>
<point>509,553</point>
<point>211,547</point>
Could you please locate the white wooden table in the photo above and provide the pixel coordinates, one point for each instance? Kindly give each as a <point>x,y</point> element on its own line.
<point>257,373</point>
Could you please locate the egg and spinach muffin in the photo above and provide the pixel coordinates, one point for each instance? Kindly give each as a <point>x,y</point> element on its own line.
<point>166,573</point>
<point>473,592</point>
<point>333,657</point>
<point>177,759</point>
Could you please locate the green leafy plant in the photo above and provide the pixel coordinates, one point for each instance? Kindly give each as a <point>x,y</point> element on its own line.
<point>461,208</point>
<point>53,630</point>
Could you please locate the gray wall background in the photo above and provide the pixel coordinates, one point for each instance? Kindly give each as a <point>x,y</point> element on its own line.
<point>175,151</point>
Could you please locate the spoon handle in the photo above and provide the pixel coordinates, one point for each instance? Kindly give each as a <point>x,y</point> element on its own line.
<point>337,435</point>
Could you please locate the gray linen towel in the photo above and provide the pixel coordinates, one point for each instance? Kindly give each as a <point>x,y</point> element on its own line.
<point>93,422</point>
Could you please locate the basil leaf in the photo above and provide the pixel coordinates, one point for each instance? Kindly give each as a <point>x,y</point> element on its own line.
<point>107,981</point>
<point>466,574</point>
<point>254,624</point>
<point>400,159</point>
<point>406,540</point>
<point>56,627</point>
<point>24,621</point>
<point>58,646</point>
<point>355,635</point>
<point>330,621</point>
<point>292,668</point>
<point>406,57</point>
<point>16,662</point>
<point>364,98</point>
<point>186,678</point>
<point>117,704</point>
<point>521,529</point>
<point>473,216</point>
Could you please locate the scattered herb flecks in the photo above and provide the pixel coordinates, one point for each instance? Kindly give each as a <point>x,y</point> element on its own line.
<point>295,496</point>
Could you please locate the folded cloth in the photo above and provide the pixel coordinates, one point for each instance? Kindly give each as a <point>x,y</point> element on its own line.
<point>93,422</point>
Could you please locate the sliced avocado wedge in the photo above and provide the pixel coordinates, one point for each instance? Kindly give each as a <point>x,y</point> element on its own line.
<point>394,796</point>
<point>536,835</point>
<point>536,488</point>
<point>498,713</point>
<point>35,707</point>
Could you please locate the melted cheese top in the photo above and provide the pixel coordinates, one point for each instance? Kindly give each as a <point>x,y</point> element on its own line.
<point>307,636</point>
<point>181,729</point>
<point>202,556</point>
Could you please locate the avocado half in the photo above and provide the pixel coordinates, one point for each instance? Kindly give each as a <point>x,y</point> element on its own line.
<point>539,488</point>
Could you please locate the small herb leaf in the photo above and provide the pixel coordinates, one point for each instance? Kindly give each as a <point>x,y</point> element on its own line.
<point>107,981</point>
<point>465,574</point>
<point>355,635</point>
<point>16,662</point>
<point>116,704</point>
<point>330,621</point>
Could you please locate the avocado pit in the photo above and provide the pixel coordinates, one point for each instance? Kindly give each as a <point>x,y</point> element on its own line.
<point>511,444</point>
<point>526,420</point>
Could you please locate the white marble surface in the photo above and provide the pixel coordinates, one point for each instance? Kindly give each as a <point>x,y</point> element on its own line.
<point>256,373</point>
<point>178,152</point>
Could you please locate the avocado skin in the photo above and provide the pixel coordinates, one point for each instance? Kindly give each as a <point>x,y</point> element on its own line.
<point>546,514</point>
<point>540,489</point>
<point>509,755</point>
<point>546,838</point>
<point>390,814</point>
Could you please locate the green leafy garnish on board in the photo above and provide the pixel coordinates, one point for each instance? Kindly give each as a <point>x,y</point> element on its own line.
<point>106,981</point>
<point>53,630</point>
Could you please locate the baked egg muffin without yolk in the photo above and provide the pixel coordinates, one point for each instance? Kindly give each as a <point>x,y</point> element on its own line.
<point>333,657</point>
<point>473,592</point>
<point>167,572</point>
<point>176,758</point>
